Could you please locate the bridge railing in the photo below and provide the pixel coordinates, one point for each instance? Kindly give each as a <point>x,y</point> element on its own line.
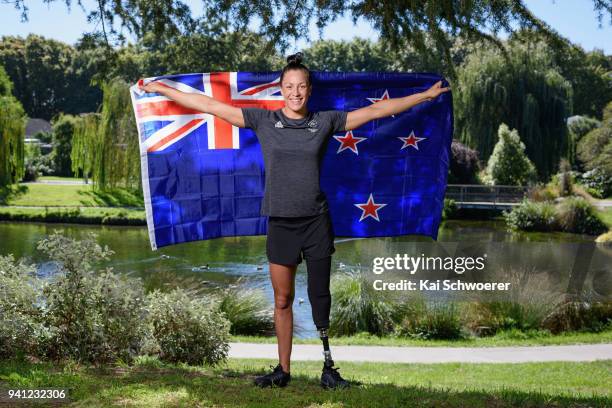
<point>481,193</point>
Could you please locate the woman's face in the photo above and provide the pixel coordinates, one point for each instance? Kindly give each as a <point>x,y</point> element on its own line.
<point>295,90</point>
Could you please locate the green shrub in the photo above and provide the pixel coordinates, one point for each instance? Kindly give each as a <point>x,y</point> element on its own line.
<point>248,311</point>
<point>184,329</point>
<point>358,307</point>
<point>19,314</point>
<point>439,321</point>
<point>577,215</point>
<point>532,216</point>
<point>579,315</point>
<point>91,316</point>
<point>84,315</point>
<point>509,164</point>
<point>450,208</point>
<point>599,181</point>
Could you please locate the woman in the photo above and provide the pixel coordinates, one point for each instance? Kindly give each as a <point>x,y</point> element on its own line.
<point>292,141</point>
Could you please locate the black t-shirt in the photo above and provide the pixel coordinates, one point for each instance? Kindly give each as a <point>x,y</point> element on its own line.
<point>293,150</point>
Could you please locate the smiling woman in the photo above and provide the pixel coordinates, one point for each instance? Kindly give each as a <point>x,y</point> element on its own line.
<point>293,140</point>
<point>296,87</point>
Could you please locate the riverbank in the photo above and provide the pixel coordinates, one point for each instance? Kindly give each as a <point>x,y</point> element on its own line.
<point>151,383</point>
<point>74,215</point>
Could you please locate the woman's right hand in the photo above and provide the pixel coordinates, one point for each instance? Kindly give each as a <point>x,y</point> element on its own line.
<point>151,87</point>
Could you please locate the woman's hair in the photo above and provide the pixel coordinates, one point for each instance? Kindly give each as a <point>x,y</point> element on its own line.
<point>295,62</point>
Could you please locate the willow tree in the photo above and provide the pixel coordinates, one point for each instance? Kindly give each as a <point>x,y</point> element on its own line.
<point>105,144</point>
<point>84,143</point>
<point>117,159</point>
<point>527,94</point>
<point>12,132</point>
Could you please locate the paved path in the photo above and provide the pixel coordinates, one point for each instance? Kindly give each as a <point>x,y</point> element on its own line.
<point>602,203</point>
<point>588,352</point>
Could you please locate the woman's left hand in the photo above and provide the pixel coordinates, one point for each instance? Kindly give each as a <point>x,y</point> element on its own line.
<point>436,90</point>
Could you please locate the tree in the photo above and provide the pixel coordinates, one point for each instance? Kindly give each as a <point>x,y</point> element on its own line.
<point>527,93</point>
<point>63,129</point>
<point>12,132</point>
<point>578,127</point>
<point>282,20</point>
<point>49,76</point>
<point>464,164</point>
<point>84,142</point>
<point>594,150</point>
<point>509,165</point>
<point>344,56</point>
<point>117,154</point>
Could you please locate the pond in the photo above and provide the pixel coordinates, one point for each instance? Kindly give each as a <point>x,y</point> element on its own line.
<point>553,262</point>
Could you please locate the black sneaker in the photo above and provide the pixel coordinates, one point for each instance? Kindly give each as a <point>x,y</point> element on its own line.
<point>277,377</point>
<point>331,379</point>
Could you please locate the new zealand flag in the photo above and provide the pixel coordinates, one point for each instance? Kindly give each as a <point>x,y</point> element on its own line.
<point>204,178</point>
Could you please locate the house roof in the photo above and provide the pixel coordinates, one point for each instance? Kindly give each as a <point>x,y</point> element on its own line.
<point>36,125</point>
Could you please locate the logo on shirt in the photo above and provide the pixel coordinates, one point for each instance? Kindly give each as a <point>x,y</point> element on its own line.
<point>278,124</point>
<point>312,126</point>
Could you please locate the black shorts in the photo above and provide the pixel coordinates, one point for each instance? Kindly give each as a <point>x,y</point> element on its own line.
<point>290,237</point>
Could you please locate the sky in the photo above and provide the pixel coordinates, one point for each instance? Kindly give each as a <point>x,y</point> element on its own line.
<point>574,19</point>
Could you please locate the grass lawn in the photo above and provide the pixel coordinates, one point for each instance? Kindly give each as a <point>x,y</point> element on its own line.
<point>606,216</point>
<point>152,384</point>
<point>68,195</point>
<point>500,340</point>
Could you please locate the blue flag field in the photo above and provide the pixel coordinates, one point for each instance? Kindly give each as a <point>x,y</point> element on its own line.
<point>204,178</point>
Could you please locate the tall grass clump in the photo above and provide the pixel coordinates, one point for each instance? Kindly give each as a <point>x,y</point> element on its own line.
<point>582,314</point>
<point>524,307</point>
<point>532,216</point>
<point>565,178</point>
<point>247,310</point>
<point>433,321</point>
<point>577,215</point>
<point>358,307</point>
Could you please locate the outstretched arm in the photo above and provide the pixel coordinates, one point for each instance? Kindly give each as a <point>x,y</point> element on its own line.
<point>389,107</point>
<point>198,102</point>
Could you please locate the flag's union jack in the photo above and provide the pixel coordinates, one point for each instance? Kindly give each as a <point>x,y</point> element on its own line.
<point>170,122</point>
<point>204,178</point>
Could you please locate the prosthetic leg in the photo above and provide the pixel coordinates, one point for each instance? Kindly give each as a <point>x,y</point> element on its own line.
<point>326,352</point>
<point>320,300</point>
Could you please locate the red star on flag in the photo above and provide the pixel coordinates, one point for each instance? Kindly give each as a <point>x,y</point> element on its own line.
<point>348,141</point>
<point>370,209</point>
<point>411,140</point>
<point>382,98</point>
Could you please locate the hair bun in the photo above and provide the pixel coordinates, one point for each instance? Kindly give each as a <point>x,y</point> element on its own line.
<point>295,59</point>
